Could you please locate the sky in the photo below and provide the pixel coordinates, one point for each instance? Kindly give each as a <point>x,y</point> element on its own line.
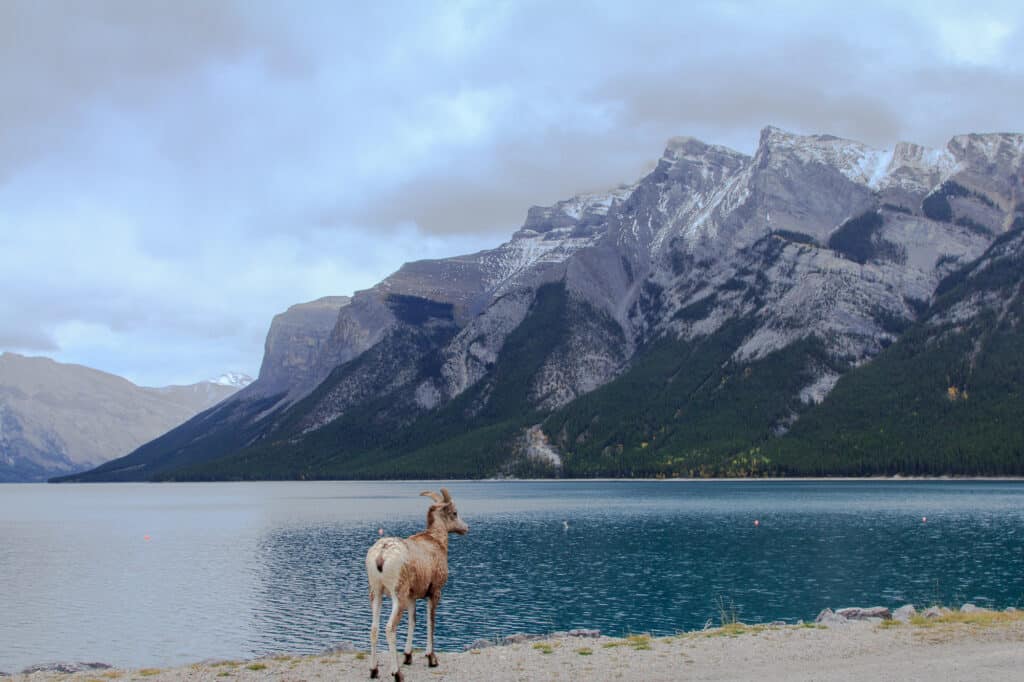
<point>173,174</point>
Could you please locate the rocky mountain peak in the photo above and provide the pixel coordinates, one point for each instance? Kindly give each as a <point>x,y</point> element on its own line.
<point>915,168</point>
<point>1000,148</point>
<point>984,157</point>
<point>581,209</point>
<point>857,161</point>
<point>691,149</point>
<point>695,166</point>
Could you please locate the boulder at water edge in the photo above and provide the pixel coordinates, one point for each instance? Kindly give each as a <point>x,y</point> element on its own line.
<point>857,613</point>
<point>904,613</point>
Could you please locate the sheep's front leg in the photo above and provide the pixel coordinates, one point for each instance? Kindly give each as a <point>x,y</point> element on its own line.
<point>412,628</point>
<point>392,633</point>
<point>431,612</point>
<point>375,599</point>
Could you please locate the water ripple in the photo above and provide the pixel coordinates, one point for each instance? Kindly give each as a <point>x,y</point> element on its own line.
<point>237,570</point>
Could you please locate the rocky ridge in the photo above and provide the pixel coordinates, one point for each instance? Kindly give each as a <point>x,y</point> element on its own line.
<point>811,239</point>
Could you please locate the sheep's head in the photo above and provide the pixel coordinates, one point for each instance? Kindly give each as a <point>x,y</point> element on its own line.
<point>443,511</point>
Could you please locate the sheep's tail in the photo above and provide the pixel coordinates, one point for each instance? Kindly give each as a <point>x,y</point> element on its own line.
<point>384,559</point>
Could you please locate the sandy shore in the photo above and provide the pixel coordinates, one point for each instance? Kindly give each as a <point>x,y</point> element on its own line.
<point>854,651</point>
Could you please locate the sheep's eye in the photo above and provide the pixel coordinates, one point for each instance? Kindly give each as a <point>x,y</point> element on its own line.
<point>455,514</point>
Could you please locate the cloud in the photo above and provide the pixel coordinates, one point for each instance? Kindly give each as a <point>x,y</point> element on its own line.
<point>542,110</point>
<point>61,60</point>
<point>173,174</point>
<point>488,189</point>
<point>32,340</point>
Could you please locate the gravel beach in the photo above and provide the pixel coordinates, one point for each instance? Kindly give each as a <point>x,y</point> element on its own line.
<point>855,650</point>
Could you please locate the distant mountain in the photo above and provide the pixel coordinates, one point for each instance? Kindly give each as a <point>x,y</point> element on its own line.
<point>725,315</point>
<point>59,418</point>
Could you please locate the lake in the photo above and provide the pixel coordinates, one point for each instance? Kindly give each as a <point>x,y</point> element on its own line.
<point>147,574</point>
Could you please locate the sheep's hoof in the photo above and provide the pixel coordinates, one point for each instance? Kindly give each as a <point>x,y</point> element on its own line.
<point>398,676</point>
<point>432,660</point>
<point>374,673</point>
<point>408,659</point>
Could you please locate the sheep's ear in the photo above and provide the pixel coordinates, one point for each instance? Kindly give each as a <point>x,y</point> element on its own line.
<point>445,496</point>
<point>434,496</point>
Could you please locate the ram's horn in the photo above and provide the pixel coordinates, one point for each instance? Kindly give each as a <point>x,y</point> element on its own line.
<point>434,496</point>
<point>444,494</point>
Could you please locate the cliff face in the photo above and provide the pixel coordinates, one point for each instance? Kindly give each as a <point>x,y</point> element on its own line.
<point>296,340</point>
<point>57,418</point>
<point>815,249</point>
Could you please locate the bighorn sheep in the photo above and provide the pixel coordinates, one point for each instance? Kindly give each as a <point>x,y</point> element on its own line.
<point>411,569</point>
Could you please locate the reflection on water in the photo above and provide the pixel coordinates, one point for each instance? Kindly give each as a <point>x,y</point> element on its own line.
<point>236,570</point>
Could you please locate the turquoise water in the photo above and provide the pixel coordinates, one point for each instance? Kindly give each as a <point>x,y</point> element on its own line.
<point>238,570</point>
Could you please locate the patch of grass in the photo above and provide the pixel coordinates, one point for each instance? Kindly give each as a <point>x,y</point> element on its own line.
<point>636,642</point>
<point>219,664</point>
<point>282,658</point>
<point>736,629</point>
<point>921,622</point>
<point>475,652</point>
<point>887,624</point>
<point>113,674</point>
<point>980,618</point>
<point>223,673</point>
<point>585,651</point>
<point>544,647</point>
<point>149,672</point>
<point>360,655</point>
<point>639,642</point>
<point>256,666</point>
<point>810,626</point>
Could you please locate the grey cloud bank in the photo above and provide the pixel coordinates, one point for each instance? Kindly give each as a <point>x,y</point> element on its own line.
<point>172,175</point>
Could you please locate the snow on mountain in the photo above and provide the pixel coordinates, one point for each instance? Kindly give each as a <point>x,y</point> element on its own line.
<point>232,379</point>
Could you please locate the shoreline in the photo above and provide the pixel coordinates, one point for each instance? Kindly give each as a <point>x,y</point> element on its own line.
<point>936,644</point>
<point>821,479</point>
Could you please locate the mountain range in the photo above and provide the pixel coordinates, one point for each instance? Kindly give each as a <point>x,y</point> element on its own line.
<point>58,418</point>
<point>820,307</point>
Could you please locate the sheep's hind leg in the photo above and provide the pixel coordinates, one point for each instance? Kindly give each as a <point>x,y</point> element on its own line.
<point>392,633</point>
<point>375,599</point>
<point>431,612</point>
<point>412,628</point>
